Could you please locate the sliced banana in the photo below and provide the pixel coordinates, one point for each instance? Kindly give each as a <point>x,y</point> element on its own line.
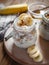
<point>22,15</point>
<point>26,19</point>
<point>32,50</point>
<point>35,54</point>
<point>39,58</point>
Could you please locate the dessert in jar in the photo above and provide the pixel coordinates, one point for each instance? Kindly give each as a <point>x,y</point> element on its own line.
<point>24,32</point>
<point>36,9</point>
<point>44,26</point>
<point>43,39</point>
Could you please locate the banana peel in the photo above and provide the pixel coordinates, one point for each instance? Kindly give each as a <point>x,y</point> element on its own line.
<point>13,9</point>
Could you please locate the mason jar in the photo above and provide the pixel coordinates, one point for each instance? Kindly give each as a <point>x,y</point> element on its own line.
<point>44,26</point>
<point>43,38</point>
<point>35,9</point>
<point>24,36</point>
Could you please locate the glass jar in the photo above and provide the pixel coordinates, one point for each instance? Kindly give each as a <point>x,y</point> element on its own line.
<point>35,11</point>
<point>44,26</point>
<point>24,36</point>
<point>43,38</point>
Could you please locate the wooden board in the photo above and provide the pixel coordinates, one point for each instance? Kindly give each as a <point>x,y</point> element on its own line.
<point>19,54</point>
<point>4,58</point>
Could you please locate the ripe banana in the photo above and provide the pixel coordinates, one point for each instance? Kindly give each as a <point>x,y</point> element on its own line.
<point>13,9</point>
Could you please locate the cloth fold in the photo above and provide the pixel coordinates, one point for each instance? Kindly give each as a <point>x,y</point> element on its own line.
<point>5,23</point>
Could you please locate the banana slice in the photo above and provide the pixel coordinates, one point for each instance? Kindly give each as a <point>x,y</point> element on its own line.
<point>26,19</point>
<point>36,54</point>
<point>32,50</point>
<point>39,58</point>
<point>22,15</point>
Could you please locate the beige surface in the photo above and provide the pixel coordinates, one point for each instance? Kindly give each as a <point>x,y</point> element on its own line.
<point>8,2</point>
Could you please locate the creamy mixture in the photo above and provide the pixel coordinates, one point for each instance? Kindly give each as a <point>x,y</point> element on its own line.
<point>24,33</point>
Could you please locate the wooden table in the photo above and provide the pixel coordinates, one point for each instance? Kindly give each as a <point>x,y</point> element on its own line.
<point>4,58</point>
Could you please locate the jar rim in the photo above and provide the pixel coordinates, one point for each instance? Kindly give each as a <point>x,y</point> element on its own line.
<point>22,29</point>
<point>45,18</point>
<point>35,14</point>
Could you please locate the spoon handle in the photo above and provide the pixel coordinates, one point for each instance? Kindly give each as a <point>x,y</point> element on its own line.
<point>9,36</point>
